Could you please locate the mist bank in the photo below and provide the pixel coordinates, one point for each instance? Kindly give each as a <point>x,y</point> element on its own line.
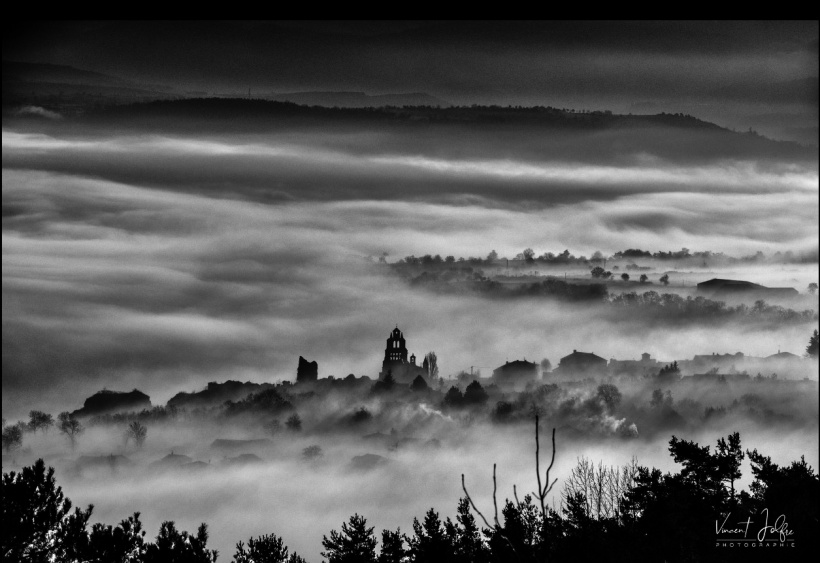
<point>133,258</point>
<point>127,286</point>
<point>531,134</point>
<point>279,487</point>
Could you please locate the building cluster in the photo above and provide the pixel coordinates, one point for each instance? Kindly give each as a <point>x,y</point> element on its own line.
<point>402,366</point>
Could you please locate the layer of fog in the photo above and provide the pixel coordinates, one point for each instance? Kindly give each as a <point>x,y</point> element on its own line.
<point>303,500</point>
<point>163,284</point>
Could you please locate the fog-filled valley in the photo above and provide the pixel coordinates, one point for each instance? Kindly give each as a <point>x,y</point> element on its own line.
<point>174,248</point>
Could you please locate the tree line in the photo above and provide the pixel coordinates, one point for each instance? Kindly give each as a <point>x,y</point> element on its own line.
<point>627,513</point>
<point>529,256</point>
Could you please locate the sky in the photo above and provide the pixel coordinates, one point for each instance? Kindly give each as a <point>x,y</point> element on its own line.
<point>755,74</point>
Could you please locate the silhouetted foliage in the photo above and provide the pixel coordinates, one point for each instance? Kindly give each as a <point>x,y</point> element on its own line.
<point>609,395</point>
<point>793,490</point>
<point>39,527</point>
<point>430,542</point>
<point>136,432</point>
<point>419,384</point>
<point>265,549</point>
<point>814,345</point>
<point>294,422</point>
<point>598,492</point>
<point>267,401</point>
<point>312,453</point>
<point>431,363</point>
<point>355,544</point>
<point>475,394</point>
<point>622,514</point>
<point>730,456</point>
<point>38,524</point>
<point>385,385</point>
<point>38,420</point>
<point>670,371</point>
<point>12,438</point>
<point>503,410</point>
<point>70,426</point>
<point>453,397</point>
<point>182,547</point>
<point>696,309</point>
<point>661,400</point>
<point>361,415</point>
<point>392,550</point>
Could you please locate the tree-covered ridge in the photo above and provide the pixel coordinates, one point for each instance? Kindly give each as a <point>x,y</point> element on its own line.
<point>657,306</point>
<point>530,257</point>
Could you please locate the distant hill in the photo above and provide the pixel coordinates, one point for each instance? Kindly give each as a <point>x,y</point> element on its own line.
<point>358,99</point>
<point>71,90</point>
<point>105,401</point>
<point>217,393</point>
<point>258,111</point>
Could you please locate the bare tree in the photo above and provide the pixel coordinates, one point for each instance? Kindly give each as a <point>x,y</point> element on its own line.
<point>39,420</point>
<point>70,426</point>
<point>431,364</point>
<point>603,488</point>
<point>543,489</point>
<point>136,432</point>
<point>12,438</point>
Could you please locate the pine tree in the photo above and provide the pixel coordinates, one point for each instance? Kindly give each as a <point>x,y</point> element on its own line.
<point>812,348</point>
<point>265,549</point>
<point>355,544</point>
<point>392,547</point>
<point>38,525</point>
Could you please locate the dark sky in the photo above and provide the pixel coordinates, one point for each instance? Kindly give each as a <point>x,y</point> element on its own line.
<point>505,62</point>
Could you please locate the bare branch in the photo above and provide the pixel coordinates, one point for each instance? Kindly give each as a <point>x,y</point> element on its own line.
<point>543,490</point>
<point>469,498</point>
<point>495,502</point>
<point>497,526</point>
<point>552,461</point>
<point>538,466</point>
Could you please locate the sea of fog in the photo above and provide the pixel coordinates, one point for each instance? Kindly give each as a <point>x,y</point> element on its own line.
<point>163,261</point>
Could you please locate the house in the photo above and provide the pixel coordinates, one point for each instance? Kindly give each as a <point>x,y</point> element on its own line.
<point>395,361</point>
<point>702,363</point>
<point>645,366</point>
<point>515,372</point>
<point>581,363</point>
